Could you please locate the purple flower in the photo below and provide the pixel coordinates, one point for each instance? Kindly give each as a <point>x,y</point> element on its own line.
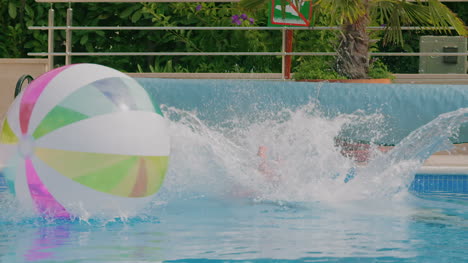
<point>251,20</point>
<point>235,19</point>
<point>243,17</point>
<point>198,8</point>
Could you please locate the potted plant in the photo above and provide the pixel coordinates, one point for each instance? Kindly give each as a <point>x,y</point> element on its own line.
<point>354,16</point>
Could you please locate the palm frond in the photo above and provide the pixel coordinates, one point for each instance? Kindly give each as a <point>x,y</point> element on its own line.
<point>394,14</point>
<point>443,17</point>
<point>342,11</point>
<point>426,15</point>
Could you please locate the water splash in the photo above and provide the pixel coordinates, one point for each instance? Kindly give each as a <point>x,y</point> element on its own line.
<point>392,173</point>
<point>308,164</point>
<point>306,161</point>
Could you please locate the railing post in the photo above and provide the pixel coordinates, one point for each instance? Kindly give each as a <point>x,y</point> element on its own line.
<point>50,40</point>
<point>283,57</point>
<point>286,59</point>
<point>68,36</point>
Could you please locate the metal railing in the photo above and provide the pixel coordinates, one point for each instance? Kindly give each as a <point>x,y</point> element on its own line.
<point>69,28</point>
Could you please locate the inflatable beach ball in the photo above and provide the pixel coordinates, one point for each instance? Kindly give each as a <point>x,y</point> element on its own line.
<point>84,140</point>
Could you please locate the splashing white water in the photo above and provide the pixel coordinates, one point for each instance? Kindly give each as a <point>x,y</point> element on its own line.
<point>306,164</point>
<point>393,172</point>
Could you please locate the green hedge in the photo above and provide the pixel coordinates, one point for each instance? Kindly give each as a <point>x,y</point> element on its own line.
<point>16,40</point>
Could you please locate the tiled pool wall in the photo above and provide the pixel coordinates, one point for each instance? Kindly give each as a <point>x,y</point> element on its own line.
<point>435,183</point>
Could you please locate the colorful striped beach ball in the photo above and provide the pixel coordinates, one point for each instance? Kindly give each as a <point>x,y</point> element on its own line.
<point>84,140</point>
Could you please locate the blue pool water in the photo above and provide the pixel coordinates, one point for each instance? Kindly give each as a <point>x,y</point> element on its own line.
<point>215,206</point>
<point>207,230</point>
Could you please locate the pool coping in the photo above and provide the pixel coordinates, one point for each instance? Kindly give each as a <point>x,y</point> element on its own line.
<point>443,170</point>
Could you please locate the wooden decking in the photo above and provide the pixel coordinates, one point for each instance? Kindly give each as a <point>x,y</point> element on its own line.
<point>452,79</point>
<point>457,158</point>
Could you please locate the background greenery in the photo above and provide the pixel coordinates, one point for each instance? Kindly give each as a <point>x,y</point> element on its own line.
<point>16,40</point>
<point>411,64</point>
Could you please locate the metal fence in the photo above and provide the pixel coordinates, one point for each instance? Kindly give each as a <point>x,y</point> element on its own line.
<point>69,28</point>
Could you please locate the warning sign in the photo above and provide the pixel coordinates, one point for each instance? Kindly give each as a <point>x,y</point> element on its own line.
<point>294,15</point>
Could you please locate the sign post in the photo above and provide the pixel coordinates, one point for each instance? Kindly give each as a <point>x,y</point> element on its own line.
<point>293,15</point>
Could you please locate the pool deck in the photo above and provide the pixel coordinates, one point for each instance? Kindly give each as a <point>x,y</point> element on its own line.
<point>445,164</point>
<point>455,160</point>
<point>448,162</point>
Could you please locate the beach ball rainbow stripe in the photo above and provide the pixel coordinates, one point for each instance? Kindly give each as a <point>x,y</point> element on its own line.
<point>84,139</point>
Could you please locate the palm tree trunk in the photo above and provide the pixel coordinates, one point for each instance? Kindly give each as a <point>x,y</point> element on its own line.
<point>353,60</point>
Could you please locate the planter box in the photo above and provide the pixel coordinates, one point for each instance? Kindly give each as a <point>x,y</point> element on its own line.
<point>10,71</point>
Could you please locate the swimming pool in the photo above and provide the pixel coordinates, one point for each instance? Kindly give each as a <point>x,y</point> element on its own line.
<point>216,207</point>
